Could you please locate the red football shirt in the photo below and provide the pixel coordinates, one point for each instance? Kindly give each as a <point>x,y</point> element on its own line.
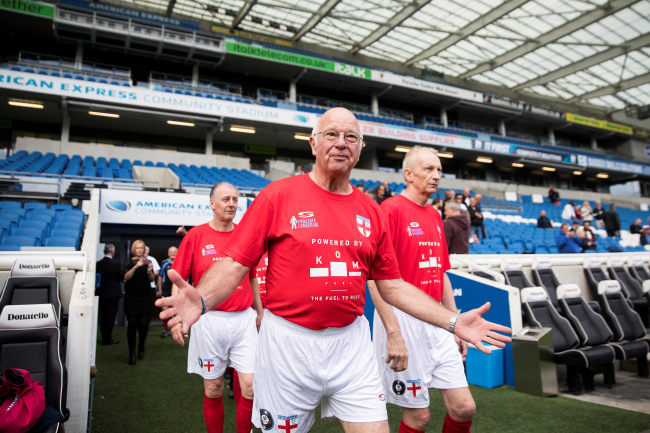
<point>420,245</point>
<point>322,247</point>
<point>201,247</point>
<point>260,274</point>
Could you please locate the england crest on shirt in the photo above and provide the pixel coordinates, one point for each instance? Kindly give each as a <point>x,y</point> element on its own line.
<point>363,224</point>
<point>288,424</point>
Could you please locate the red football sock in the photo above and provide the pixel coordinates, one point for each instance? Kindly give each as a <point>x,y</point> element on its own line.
<point>244,415</point>
<point>236,387</point>
<point>403,428</point>
<point>213,414</point>
<point>165,324</point>
<point>453,426</point>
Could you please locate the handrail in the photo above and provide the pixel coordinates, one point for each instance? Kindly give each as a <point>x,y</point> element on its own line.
<point>103,180</point>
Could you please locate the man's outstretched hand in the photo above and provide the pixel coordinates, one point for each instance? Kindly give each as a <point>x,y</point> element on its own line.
<point>185,307</point>
<point>472,328</point>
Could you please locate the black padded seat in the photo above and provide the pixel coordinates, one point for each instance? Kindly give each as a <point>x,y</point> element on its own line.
<point>626,325</point>
<point>32,290</point>
<point>639,272</point>
<point>586,361</point>
<point>514,275</point>
<point>595,274</point>
<point>483,275</point>
<point>630,287</point>
<point>545,277</point>
<point>476,271</point>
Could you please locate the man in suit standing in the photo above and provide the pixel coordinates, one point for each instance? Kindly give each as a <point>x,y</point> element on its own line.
<point>109,291</point>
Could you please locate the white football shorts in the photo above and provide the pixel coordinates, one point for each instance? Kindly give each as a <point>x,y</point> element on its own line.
<point>220,339</point>
<point>434,362</point>
<point>297,368</point>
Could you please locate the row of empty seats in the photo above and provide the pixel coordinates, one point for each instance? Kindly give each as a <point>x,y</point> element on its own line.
<point>584,340</point>
<point>37,225</point>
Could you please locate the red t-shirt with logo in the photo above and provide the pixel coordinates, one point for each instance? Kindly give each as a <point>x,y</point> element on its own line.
<point>260,275</point>
<point>322,248</point>
<point>201,247</point>
<point>420,245</point>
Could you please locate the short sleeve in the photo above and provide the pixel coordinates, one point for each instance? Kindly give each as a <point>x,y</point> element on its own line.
<point>384,265</point>
<point>249,243</point>
<point>156,266</point>
<point>183,261</point>
<point>128,264</point>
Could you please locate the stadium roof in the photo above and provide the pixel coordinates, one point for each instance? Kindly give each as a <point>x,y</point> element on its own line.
<point>593,51</point>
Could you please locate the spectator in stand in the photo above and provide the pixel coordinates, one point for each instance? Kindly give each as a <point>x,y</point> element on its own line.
<point>361,187</point>
<point>459,200</point>
<point>137,297</point>
<point>466,197</point>
<point>299,170</point>
<point>388,193</point>
<point>437,203</point>
<point>473,239</point>
<point>585,242</point>
<point>567,242</point>
<point>479,199</point>
<point>371,193</point>
<point>165,284</point>
<point>574,226</point>
<point>612,221</point>
<point>599,214</point>
<point>645,232</point>
<point>109,291</point>
<point>635,227</point>
<point>589,228</point>
<point>578,213</point>
<point>589,234</point>
<point>456,229</point>
<point>569,211</point>
<point>543,222</point>
<point>475,216</point>
<point>380,191</point>
<point>449,195</point>
<point>553,196</point>
<point>586,211</point>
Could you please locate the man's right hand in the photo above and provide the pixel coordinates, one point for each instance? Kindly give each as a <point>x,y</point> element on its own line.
<point>183,308</point>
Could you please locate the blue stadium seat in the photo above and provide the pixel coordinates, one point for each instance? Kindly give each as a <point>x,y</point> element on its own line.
<point>72,225</point>
<point>9,247</point>
<point>7,224</point>
<point>23,241</point>
<point>29,232</point>
<point>13,211</point>
<point>65,233</point>
<point>35,205</point>
<point>7,204</point>
<point>36,224</point>
<point>60,242</point>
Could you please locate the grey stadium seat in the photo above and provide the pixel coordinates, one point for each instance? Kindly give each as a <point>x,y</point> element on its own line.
<point>544,276</point>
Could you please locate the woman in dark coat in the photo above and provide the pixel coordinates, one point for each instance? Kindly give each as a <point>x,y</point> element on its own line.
<point>137,297</point>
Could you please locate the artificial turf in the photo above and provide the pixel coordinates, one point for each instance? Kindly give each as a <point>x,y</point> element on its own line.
<point>157,395</point>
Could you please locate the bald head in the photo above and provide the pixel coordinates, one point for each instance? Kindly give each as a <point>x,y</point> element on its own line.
<point>335,158</point>
<point>335,113</point>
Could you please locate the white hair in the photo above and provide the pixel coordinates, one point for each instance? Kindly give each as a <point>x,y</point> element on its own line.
<point>412,156</point>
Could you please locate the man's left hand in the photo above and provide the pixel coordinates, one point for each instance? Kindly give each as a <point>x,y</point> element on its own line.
<point>258,321</point>
<point>462,346</point>
<point>397,352</point>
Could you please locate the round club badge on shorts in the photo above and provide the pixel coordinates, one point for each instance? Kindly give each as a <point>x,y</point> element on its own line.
<point>200,362</point>
<point>399,387</point>
<point>266,419</point>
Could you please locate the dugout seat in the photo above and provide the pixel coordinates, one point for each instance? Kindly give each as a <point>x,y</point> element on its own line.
<point>483,263</point>
<point>34,343</point>
<point>580,361</point>
<point>631,288</point>
<point>625,323</point>
<point>32,280</point>
<point>544,276</point>
<point>514,274</point>
<point>594,273</point>
<point>638,271</point>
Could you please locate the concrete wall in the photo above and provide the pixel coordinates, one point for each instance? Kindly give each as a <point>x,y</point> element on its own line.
<point>131,153</point>
<point>634,149</point>
<point>164,177</point>
<point>280,170</point>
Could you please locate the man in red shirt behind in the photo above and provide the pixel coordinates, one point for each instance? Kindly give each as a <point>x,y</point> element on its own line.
<point>435,356</point>
<point>226,335</point>
<point>325,239</point>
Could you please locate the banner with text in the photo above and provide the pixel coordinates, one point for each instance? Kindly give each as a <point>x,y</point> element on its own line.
<point>606,164</point>
<point>426,86</point>
<point>158,208</point>
<point>131,13</point>
<point>595,123</point>
<point>522,106</point>
<point>27,7</point>
<point>419,136</point>
<point>524,152</point>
